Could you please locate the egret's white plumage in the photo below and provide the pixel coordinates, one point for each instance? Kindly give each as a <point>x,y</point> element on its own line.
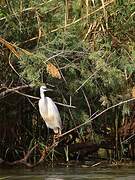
<point>49,112</point>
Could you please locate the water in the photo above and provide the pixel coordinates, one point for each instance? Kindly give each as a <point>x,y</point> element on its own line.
<point>68,173</point>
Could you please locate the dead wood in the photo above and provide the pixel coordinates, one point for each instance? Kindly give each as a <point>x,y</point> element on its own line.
<point>24,160</point>
<point>5,90</point>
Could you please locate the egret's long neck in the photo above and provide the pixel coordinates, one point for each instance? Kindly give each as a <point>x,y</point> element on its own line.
<point>42,95</point>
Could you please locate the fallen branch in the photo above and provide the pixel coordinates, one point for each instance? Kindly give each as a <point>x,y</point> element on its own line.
<point>24,160</point>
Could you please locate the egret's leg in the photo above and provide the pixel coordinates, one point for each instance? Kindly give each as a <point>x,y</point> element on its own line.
<point>66,153</point>
<point>48,139</point>
<point>48,132</point>
<point>52,156</point>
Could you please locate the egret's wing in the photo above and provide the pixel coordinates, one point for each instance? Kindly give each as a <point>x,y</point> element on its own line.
<point>53,111</point>
<point>42,108</point>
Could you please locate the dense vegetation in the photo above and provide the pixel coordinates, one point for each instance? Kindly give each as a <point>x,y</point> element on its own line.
<point>85,51</point>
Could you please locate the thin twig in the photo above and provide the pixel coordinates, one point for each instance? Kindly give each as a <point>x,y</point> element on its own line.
<point>96,164</point>
<point>88,104</point>
<point>71,115</point>
<point>26,95</point>
<point>86,81</point>
<point>129,138</point>
<point>34,97</point>
<point>28,9</point>
<point>10,64</point>
<point>53,56</point>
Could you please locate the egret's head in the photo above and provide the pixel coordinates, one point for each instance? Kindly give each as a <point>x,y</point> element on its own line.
<point>44,89</point>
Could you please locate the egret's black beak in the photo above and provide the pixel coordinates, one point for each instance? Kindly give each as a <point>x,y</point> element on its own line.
<point>47,89</point>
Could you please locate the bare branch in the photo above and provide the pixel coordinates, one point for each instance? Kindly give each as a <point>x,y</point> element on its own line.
<point>4,93</point>
<point>88,104</point>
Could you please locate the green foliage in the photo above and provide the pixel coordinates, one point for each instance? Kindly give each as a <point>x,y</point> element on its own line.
<point>105,64</point>
<point>105,68</point>
<point>95,54</point>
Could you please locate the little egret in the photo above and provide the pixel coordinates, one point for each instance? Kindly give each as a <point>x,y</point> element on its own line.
<point>49,111</point>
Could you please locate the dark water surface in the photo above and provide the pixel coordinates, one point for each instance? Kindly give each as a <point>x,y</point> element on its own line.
<point>68,173</point>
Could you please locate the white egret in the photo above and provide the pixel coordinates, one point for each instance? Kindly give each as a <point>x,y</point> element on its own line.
<point>49,111</point>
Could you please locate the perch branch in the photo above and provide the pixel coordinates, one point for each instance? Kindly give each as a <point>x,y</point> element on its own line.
<point>4,93</point>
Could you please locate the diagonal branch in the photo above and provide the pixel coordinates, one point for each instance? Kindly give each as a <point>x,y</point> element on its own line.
<point>99,114</point>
